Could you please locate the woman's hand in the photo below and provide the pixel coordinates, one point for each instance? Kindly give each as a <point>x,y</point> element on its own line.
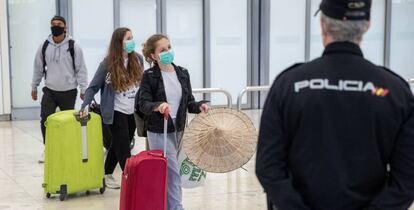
<point>164,107</point>
<point>204,108</point>
<point>84,113</point>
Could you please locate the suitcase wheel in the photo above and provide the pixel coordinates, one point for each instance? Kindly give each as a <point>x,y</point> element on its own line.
<point>48,195</point>
<point>63,192</point>
<point>88,192</point>
<point>102,190</point>
<point>62,197</point>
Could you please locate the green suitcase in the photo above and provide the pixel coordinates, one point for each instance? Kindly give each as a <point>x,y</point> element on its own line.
<point>74,160</point>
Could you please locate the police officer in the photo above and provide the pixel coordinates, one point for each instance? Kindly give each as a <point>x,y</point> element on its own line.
<point>330,128</point>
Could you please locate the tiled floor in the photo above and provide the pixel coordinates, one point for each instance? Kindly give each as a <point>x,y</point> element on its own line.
<point>21,178</point>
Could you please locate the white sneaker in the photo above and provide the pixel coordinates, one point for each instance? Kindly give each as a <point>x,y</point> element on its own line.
<point>111,183</point>
<point>105,152</point>
<point>42,158</point>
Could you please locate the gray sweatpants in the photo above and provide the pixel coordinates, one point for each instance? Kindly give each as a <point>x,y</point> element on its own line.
<point>174,192</point>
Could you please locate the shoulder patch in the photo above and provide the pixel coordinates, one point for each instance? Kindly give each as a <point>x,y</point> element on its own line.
<point>289,68</point>
<point>395,74</point>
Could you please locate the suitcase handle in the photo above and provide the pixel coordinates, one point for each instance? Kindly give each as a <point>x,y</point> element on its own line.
<point>166,116</point>
<point>83,120</point>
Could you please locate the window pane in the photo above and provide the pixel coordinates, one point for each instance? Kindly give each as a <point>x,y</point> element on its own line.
<point>92,34</point>
<point>372,43</point>
<point>27,17</point>
<point>228,47</point>
<point>185,29</point>
<point>140,17</point>
<point>316,45</point>
<point>402,38</point>
<point>287,35</point>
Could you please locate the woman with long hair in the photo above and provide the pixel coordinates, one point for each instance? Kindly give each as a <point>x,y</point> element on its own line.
<point>118,78</point>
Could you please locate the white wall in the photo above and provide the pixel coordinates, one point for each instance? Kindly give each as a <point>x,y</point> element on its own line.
<point>5,105</point>
<point>228,47</point>
<point>402,38</point>
<point>27,19</point>
<point>287,40</point>
<point>93,35</point>
<point>185,28</point>
<point>373,42</point>
<point>141,17</point>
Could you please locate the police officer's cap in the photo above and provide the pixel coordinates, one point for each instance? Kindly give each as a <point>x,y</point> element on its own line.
<point>346,9</point>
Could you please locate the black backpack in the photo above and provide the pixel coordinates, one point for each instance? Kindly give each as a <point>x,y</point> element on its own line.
<point>140,118</point>
<point>71,50</point>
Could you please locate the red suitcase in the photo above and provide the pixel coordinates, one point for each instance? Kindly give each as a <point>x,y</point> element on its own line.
<point>144,180</point>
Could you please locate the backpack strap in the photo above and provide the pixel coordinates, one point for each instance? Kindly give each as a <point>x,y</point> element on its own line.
<point>72,52</point>
<point>44,47</point>
<point>141,60</point>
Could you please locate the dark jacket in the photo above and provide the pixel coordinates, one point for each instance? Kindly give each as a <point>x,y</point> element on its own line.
<point>329,129</point>
<point>152,94</point>
<point>102,82</point>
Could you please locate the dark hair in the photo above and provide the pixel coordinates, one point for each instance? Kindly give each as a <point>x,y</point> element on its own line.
<point>149,47</point>
<point>57,17</point>
<point>121,78</point>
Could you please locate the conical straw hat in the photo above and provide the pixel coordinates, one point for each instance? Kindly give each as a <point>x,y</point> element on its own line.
<point>220,141</point>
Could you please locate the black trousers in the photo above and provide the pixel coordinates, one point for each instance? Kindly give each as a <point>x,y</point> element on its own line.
<point>122,130</point>
<point>51,99</point>
<point>270,205</point>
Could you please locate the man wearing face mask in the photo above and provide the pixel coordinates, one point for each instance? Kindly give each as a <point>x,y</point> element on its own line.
<point>59,60</point>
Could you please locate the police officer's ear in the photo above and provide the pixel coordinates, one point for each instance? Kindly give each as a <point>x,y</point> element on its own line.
<point>323,29</point>
<point>369,25</point>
